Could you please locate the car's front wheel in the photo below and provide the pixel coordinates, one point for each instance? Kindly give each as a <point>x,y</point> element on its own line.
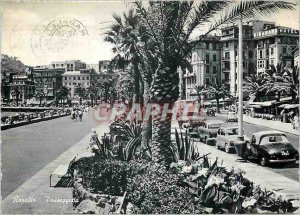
<point>263,161</point>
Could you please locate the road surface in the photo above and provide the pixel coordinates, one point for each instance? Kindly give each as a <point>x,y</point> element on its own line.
<point>27,149</point>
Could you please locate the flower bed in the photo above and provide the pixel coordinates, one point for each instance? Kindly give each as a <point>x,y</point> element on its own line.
<point>186,187</point>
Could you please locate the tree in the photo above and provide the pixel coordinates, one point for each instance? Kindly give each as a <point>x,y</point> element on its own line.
<point>255,85</point>
<point>62,93</point>
<point>16,95</point>
<point>93,92</point>
<point>81,91</point>
<point>170,25</point>
<point>40,94</point>
<point>276,81</point>
<point>291,79</point>
<point>218,90</point>
<point>201,91</point>
<point>123,34</point>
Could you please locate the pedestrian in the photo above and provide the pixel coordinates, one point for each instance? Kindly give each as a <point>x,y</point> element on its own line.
<point>80,113</point>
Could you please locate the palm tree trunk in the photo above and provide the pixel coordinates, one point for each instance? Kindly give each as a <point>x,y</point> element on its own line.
<point>164,89</point>
<point>218,104</point>
<point>147,124</point>
<point>136,81</point>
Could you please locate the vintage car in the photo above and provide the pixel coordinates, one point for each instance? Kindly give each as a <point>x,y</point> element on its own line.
<point>232,117</point>
<point>191,119</point>
<point>227,136</point>
<point>208,130</point>
<point>271,147</point>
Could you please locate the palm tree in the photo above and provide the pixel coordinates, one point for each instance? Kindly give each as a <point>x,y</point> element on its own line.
<point>123,34</point>
<point>255,85</point>
<point>201,91</point>
<point>292,81</point>
<point>170,25</point>
<point>40,94</point>
<point>275,80</point>
<point>218,90</point>
<point>62,93</point>
<point>93,92</point>
<point>81,91</point>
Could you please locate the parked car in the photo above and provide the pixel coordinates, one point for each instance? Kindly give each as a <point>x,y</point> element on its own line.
<point>227,136</point>
<point>271,147</point>
<point>208,130</point>
<point>232,117</point>
<point>192,119</point>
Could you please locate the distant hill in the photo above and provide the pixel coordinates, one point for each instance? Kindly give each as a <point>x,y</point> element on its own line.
<point>11,65</point>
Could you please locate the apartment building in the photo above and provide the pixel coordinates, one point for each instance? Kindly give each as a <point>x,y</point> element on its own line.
<point>275,45</point>
<point>69,65</point>
<point>206,67</point>
<point>104,65</point>
<point>48,80</point>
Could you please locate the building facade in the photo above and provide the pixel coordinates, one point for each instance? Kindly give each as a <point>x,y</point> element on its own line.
<point>22,87</point>
<point>275,45</point>
<point>104,66</point>
<point>70,65</point>
<point>206,66</point>
<point>48,80</point>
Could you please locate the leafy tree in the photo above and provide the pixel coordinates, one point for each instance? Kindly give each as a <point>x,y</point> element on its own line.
<point>40,94</point>
<point>201,91</point>
<point>16,95</point>
<point>62,93</point>
<point>292,81</point>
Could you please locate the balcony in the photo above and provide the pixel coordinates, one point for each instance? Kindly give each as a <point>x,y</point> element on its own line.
<point>226,58</point>
<point>225,70</point>
<point>286,57</point>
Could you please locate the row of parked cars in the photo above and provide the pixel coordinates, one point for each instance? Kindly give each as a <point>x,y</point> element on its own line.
<point>265,146</point>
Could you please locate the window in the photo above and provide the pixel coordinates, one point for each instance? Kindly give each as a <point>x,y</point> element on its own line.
<point>214,57</point>
<point>68,65</point>
<point>207,81</point>
<point>214,46</point>
<point>250,54</point>
<point>62,65</point>
<point>284,50</point>
<point>74,78</point>
<point>78,77</point>
<point>65,78</point>
<point>207,45</point>
<point>260,54</point>
<point>207,69</point>
<point>214,69</point>
<point>272,51</point>
<point>272,62</point>
<point>70,84</point>
<point>227,55</point>
<point>207,58</point>
<point>82,78</point>
<point>227,44</point>
<point>87,78</point>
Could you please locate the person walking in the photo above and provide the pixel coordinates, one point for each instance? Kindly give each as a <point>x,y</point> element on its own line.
<point>80,113</point>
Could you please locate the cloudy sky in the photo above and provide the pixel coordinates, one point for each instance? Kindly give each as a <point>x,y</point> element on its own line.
<point>29,30</point>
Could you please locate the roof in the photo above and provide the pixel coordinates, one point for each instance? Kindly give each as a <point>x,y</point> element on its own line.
<point>262,133</point>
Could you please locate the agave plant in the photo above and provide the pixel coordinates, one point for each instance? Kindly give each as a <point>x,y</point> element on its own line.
<point>129,136</point>
<point>184,148</point>
<point>104,146</point>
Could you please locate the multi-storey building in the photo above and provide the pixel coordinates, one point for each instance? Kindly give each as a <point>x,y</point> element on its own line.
<point>206,66</point>
<point>22,86</point>
<point>275,45</point>
<point>93,66</point>
<point>48,80</point>
<point>84,78</point>
<point>70,65</point>
<point>104,66</point>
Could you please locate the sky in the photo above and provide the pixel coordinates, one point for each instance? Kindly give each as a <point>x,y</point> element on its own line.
<point>31,31</point>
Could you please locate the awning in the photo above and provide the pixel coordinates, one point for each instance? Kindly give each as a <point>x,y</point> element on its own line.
<point>254,106</point>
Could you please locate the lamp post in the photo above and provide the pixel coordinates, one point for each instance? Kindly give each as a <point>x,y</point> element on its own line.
<point>240,145</point>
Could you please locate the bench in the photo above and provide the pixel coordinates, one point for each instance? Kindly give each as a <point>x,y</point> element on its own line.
<point>63,171</point>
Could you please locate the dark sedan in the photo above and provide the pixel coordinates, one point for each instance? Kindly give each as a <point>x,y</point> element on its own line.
<point>272,147</point>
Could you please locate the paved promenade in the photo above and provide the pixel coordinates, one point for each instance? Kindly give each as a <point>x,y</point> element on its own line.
<point>37,188</point>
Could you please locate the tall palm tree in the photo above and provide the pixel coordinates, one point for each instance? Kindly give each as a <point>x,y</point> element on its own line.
<point>62,93</point>
<point>170,25</point>
<point>16,95</point>
<point>93,92</point>
<point>275,80</point>
<point>255,85</point>
<point>218,90</point>
<point>81,91</point>
<point>123,35</point>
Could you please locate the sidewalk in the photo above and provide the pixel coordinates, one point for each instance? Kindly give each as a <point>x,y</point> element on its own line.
<point>35,196</point>
<point>276,125</point>
<point>287,188</point>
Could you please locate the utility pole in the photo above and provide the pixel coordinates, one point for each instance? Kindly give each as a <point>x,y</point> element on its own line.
<point>240,82</point>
